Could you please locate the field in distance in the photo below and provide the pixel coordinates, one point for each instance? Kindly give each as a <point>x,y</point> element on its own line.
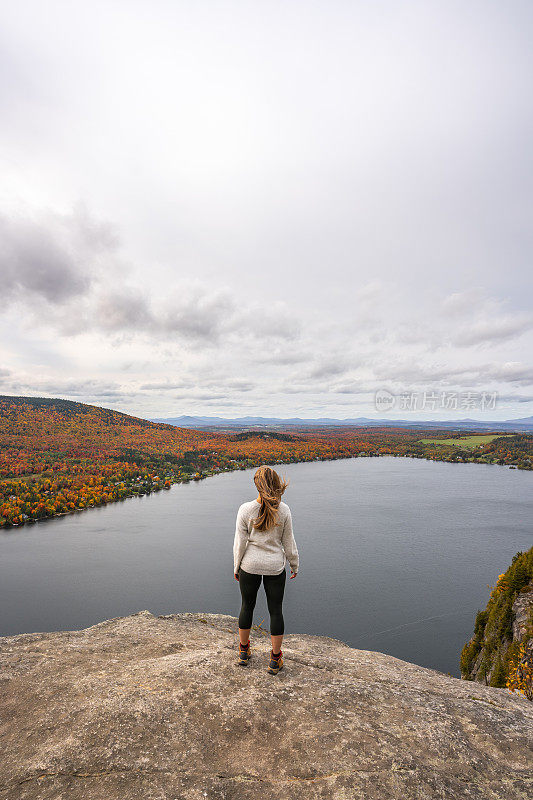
<point>465,441</point>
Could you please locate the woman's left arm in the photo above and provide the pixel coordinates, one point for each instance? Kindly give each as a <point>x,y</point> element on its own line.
<point>289,545</point>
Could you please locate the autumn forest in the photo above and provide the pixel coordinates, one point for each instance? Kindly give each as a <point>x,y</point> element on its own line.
<point>59,457</point>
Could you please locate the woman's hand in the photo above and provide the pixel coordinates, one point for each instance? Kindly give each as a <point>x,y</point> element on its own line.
<point>236,576</point>
<point>293,574</point>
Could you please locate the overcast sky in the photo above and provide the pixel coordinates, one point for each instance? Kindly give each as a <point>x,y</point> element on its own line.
<point>268,208</point>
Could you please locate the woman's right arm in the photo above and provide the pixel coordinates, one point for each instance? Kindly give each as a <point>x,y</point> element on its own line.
<point>240,541</point>
<point>289,544</point>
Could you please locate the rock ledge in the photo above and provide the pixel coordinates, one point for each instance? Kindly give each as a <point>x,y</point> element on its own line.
<point>157,708</point>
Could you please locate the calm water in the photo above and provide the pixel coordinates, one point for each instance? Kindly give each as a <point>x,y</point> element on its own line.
<point>395,554</point>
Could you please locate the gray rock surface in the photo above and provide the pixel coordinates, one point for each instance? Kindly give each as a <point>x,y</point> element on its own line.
<point>157,708</point>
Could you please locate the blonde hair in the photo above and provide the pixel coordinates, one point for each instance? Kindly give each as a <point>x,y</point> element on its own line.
<point>270,487</point>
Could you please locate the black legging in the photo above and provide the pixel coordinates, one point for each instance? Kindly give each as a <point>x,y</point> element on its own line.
<point>249,584</point>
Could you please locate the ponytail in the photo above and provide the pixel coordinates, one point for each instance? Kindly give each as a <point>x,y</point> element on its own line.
<point>270,487</point>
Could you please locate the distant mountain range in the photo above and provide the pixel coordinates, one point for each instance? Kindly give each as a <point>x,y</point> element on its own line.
<point>264,423</point>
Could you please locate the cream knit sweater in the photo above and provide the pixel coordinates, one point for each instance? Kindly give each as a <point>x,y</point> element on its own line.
<point>264,552</point>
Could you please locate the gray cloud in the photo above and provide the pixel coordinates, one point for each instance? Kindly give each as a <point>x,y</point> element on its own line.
<point>34,262</point>
<point>284,357</point>
<point>162,387</point>
<point>411,375</point>
<point>200,396</point>
<point>355,387</point>
<point>201,313</point>
<point>511,372</point>
<point>78,388</point>
<point>410,372</point>
<point>238,385</point>
<point>192,312</point>
<point>72,261</point>
<point>241,385</point>
<point>515,398</point>
<point>327,369</point>
<point>121,310</point>
<point>265,320</point>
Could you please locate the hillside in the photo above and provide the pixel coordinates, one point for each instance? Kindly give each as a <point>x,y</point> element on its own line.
<point>143,707</point>
<point>26,414</point>
<point>59,457</point>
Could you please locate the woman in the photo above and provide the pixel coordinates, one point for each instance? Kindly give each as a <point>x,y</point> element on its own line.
<point>263,541</point>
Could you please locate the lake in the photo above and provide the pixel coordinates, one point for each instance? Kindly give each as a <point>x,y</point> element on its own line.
<point>395,554</point>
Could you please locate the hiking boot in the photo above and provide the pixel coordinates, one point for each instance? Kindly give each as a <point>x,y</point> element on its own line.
<point>276,663</point>
<point>245,653</point>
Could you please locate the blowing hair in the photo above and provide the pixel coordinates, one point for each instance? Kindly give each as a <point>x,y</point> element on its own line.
<point>270,487</point>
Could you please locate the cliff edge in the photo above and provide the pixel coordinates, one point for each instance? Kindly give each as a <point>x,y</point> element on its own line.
<point>156,707</point>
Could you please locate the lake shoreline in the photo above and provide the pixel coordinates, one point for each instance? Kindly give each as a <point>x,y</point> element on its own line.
<point>209,474</point>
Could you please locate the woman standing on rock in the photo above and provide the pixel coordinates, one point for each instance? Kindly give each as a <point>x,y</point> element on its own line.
<point>263,541</point>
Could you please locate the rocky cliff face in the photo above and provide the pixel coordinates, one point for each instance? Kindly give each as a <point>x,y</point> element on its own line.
<point>494,647</point>
<point>504,627</point>
<point>157,707</point>
<point>522,614</point>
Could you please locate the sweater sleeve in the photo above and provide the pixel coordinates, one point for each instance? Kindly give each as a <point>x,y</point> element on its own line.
<point>240,541</point>
<point>289,544</point>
